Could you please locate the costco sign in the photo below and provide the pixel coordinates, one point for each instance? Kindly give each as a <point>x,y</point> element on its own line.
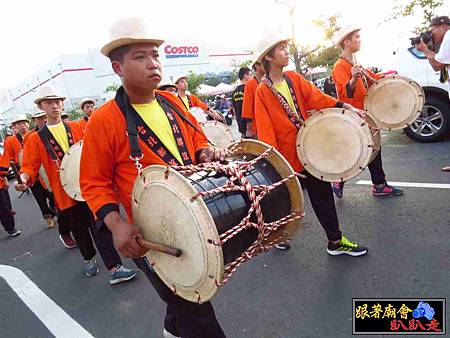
<point>184,52</point>
<point>173,52</point>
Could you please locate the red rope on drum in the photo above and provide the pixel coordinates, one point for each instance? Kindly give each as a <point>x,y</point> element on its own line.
<point>237,182</point>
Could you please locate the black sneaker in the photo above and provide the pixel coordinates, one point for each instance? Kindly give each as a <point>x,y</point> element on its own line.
<point>282,246</point>
<point>346,247</point>
<point>13,233</point>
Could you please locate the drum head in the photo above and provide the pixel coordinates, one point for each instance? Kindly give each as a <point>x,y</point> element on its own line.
<point>218,133</point>
<point>376,135</point>
<point>334,144</point>
<point>69,172</point>
<point>163,210</point>
<point>394,102</point>
<point>284,169</point>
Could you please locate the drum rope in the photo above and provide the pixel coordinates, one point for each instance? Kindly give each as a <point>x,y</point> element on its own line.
<point>237,182</point>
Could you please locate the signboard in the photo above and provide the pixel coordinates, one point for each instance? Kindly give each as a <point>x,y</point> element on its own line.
<point>184,52</point>
<point>6,102</point>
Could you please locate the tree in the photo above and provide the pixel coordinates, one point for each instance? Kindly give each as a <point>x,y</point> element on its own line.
<point>112,88</point>
<point>74,114</point>
<point>194,81</point>
<point>236,66</point>
<point>426,7</point>
<point>323,55</point>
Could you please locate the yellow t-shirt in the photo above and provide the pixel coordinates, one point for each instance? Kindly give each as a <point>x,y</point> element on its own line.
<point>59,133</point>
<point>185,101</point>
<point>283,89</point>
<point>155,117</point>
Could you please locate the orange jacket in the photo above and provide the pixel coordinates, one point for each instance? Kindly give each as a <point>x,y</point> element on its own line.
<point>13,147</point>
<point>28,133</point>
<point>83,122</point>
<point>35,155</point>
<point>196,102</point>
<point>273,124</point>
<point>342,74</point>
<point>107,173</point>
<point>248,107</point>
<point>4,168</point>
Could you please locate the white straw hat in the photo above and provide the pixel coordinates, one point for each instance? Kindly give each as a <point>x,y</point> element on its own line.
<point>20,118</point>
<point>129,31</point>
<point>39,113</point>
<point>86,100</point>
<point>267,43</point>
<point>346,31</point>
<point>48,93</point>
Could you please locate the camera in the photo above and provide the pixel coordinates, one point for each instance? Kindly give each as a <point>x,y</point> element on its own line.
<point>426,38</point>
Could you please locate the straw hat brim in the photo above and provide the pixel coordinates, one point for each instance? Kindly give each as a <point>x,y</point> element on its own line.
<point>269,47</point>
<point>20,120</point>
<point>109,47</point>
<point>166,85</point>
<point>52,97</point>
<point>346,34</point>
<point>34,116</point>
<point>181,77</point>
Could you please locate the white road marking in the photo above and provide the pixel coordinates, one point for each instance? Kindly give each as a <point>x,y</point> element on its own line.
<point>59,323</point>
<point>411,184</point>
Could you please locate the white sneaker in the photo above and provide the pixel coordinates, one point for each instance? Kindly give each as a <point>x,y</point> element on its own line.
<point>167,334</point>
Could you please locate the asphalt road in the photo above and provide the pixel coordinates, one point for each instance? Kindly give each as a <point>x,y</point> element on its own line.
<point>299,293</point>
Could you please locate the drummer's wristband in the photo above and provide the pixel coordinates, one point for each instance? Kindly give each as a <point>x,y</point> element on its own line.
<point>105,210</point>
<point>339,104</point>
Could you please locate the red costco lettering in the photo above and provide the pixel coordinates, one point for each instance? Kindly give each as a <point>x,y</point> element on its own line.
<point>169,49</point>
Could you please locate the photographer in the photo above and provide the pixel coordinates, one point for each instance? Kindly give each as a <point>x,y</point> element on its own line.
<point>439,30</point>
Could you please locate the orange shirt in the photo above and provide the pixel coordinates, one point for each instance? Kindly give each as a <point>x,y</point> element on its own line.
<point>273,124</point>
<point>4,168</point>
<point>248,107</point>
<point>83,122</point>
<point>35,155</point>
<point>195,102</point>
<point>107,173</point>
<point>28,133</point>
<point>342,74</point>
<point>13,147</point>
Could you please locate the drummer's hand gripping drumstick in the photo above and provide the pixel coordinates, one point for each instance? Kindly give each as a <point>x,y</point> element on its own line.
<point>167,249</point>
<point>16,172</point>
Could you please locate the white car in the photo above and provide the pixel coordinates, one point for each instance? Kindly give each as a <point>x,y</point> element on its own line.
<point>434,122</point>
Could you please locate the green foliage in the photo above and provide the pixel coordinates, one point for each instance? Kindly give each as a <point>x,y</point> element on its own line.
<point>325,57</point>
<point>213,81</point>
<point>236,66</point>
<point>322,55</point>
<point>112,88</point>
<point>74,114</point>
<point>194,81</point>
<point>426,7</point>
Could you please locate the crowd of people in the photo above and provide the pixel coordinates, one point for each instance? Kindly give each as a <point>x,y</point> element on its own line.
<point>148,122</point>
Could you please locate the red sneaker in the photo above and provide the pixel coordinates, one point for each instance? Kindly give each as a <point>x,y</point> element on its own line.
<point>68,241</point>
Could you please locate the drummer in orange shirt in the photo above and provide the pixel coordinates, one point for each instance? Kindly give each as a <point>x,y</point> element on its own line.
<point>351,87</point>
<point>47,147</point>
<point>191,101</point>
<point>87,105</point>
<point>283,100</point>
<point>248,107</point>
<point>108,170</point>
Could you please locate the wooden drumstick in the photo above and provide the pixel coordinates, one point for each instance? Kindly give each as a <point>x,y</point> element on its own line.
<point>16,172</point>
<point>167,249</point>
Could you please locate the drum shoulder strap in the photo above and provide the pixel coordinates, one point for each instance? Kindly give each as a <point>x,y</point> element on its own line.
<point>135,122</point>
<point>45,136</point>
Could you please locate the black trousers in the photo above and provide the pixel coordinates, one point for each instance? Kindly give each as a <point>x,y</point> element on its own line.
<point>6,217</point>
<point>321,196</point>
<point>183,318</point>
<point>42,197</point>
<point>376,170</point>
<point>83,225</point>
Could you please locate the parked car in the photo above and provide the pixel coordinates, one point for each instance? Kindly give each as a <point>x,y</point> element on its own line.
<point>434,121</point>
